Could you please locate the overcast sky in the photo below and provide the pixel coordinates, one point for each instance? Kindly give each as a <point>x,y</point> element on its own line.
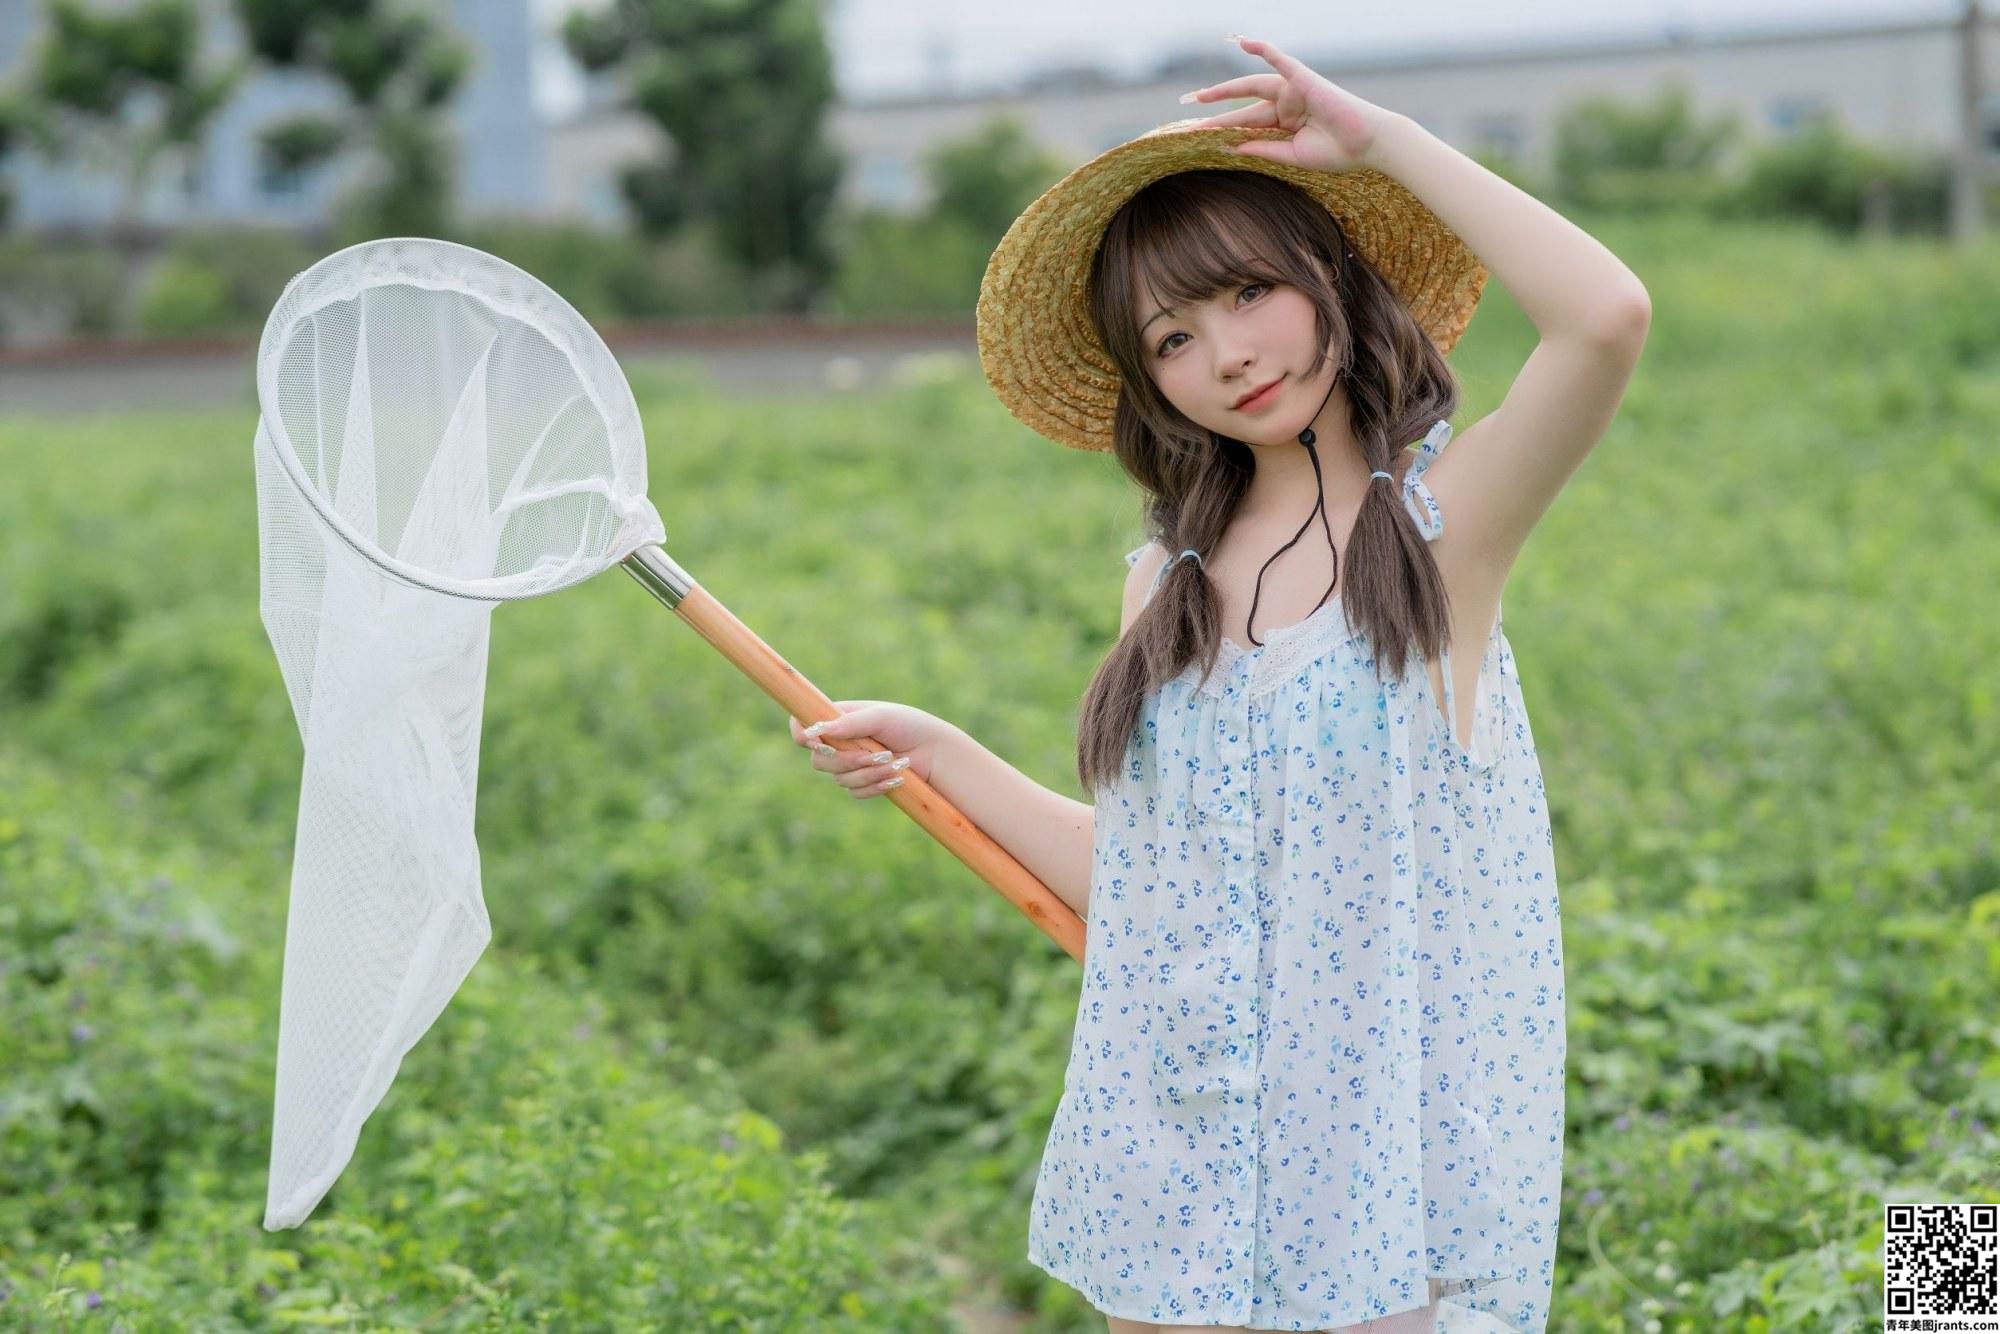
<point>886,47</point>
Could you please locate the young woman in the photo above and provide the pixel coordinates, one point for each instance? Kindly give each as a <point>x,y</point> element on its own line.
<point>1317,1074</point>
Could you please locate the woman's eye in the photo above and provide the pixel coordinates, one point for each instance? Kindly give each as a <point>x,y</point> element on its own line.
<point>1167,345</point>
<point>1252,291</point>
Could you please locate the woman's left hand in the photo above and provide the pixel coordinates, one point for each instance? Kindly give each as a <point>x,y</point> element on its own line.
<point>1331,128</point>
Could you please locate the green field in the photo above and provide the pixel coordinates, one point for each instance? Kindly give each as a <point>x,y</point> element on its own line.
<point>747,1054</point>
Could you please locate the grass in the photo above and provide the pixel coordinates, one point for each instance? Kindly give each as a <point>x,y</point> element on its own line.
<point>1756,636</point>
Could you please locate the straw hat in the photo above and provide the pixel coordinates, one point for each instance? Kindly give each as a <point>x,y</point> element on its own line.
<point>1036,343</point>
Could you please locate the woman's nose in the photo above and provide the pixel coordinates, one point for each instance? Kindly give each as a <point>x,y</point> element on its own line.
<point>1233,363</point>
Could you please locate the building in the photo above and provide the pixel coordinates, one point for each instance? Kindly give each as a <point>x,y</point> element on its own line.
<point>501,136</point>
<point>1895,83</point>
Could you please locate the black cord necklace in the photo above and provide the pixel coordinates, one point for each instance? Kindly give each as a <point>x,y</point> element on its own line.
<point>1308,439</point>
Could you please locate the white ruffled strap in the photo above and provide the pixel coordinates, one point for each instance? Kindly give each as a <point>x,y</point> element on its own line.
<point>1417,497</point>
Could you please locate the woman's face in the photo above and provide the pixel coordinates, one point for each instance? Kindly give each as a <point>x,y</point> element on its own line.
<point>1235,363</point>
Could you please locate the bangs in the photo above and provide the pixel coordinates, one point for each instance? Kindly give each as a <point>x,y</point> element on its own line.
<point>1182,247</point>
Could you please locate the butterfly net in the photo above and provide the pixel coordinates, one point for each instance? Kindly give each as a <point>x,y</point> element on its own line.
<point>438,432</point>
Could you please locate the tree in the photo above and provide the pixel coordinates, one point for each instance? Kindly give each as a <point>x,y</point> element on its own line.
<point>123,92</point>
<point>985,179</point>
<point>739,88</point>
<point>1607,151</point>
<point>12,118</point>
<point>398,69</point>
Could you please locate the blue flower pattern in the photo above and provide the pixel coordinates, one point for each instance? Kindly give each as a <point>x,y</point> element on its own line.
<point>1319,1047</point>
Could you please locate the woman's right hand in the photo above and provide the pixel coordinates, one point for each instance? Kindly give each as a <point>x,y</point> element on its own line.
<point>910,739</point>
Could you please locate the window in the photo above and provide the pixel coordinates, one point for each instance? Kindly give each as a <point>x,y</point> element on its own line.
<point>1791,113</point>
<point>885,179</point>
<point>603,198</point>
<point>276,182</point>
<point>1504,135</point>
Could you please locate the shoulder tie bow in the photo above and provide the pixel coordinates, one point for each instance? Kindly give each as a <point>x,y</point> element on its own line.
<point>1417,497</point>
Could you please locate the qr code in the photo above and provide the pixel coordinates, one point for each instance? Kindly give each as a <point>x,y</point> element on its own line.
<point>1941,1260</point>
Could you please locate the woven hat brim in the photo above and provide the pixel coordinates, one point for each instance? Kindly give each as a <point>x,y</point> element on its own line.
<point>1036,343</point>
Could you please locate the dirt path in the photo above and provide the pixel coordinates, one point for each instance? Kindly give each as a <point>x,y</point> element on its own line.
<point>766,358</point>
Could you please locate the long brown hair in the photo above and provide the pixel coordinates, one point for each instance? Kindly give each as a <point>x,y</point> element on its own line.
<point>1186,237</point>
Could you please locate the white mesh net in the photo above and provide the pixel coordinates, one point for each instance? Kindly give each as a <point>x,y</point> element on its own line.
<point>438,431</point>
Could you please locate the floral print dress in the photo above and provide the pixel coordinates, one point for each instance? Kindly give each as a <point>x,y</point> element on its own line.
<point>1319,1046</point>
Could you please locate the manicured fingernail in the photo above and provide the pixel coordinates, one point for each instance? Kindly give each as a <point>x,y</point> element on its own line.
<point>823,748</point>
<point>1187,97</point>
<point>817,728</point>
<point>881,757</point>
<point>894,782</point>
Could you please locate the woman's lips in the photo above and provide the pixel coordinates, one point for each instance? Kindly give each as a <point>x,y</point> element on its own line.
<point>1263,398</point>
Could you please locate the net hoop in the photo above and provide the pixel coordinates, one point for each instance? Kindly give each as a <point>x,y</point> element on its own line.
<point>511,293</point>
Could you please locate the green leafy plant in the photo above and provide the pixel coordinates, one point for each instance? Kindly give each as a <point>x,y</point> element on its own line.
<point>1768,733</point>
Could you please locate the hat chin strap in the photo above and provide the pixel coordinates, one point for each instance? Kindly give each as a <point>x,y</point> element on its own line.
<point>1308,439</point>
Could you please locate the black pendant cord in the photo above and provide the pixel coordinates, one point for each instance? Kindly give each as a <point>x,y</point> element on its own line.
<point>1306,438</point>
